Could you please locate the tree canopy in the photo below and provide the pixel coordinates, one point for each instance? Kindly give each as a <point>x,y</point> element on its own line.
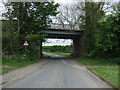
<point>102,30</point>
<point>24,20</point>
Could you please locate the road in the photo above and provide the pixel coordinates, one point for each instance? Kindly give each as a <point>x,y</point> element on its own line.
<point>60,73</point>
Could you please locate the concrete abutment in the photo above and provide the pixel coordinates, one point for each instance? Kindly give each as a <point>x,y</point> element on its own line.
<point>78,46</point>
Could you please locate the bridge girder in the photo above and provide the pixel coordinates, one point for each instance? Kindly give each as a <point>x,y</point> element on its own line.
<point>76,36</point>
<point>62,34</point>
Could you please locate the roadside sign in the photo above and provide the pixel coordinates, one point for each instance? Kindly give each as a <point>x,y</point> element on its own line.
<point>25,43</point>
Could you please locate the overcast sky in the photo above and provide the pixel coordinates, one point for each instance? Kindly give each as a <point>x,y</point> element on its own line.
<point>58,41</point>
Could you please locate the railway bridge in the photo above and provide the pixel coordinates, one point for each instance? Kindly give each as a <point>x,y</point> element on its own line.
<point>59,32</point>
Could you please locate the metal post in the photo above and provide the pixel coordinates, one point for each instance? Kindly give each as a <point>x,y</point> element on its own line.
<point>25,50</point>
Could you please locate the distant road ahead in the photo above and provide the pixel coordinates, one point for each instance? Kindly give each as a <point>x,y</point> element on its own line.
<point>60,73</point>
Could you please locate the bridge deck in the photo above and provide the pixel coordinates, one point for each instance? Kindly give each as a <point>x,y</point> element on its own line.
<point>60,33</point>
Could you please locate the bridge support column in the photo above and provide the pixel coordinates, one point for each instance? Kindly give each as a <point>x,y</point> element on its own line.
<point>78,46</point>
<point>40,53</point>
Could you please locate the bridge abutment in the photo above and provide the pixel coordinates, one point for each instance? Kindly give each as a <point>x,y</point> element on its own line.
<point>40,52</point>
<point>76,35</point>
<point>78,46</point>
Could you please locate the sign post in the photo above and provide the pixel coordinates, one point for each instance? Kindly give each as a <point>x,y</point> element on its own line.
<point>25,44</point>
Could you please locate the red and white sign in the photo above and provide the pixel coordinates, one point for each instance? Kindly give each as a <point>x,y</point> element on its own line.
<point>25,43</point>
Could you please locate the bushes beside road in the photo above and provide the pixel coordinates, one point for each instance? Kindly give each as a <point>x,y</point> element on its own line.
<point>12,62</point>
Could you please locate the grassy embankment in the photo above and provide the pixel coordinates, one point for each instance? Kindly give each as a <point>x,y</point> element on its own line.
<point>13,62</point>
<point>106,69</point>
<point>58,49</point>
<point>60,53</point>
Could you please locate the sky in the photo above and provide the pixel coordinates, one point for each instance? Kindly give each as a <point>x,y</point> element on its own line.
<point>58,41</point>
<point>51,41</point>
<point>62,41</point>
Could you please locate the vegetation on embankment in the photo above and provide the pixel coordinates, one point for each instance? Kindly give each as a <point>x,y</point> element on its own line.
<point>87,61</point>
<point>60,53</point>
<point>109,74</point>
<point>106,68</point>
<point>58,49</point>
<point>102,40</point>
<point>13,62</point>
<point>22,23</point>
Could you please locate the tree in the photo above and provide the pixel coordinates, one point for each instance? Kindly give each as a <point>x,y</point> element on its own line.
<point>70,15</point>
<point>93,13</point>
<point>26,19</point>
<point>108,45</point>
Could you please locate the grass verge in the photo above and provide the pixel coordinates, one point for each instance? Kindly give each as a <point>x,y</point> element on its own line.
<point>13,62</point>
<point>98,62</point>
<point>105,69</point>
<point>109,74</point>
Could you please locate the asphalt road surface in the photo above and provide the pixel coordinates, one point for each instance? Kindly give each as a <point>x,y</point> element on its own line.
<point>60,73</point>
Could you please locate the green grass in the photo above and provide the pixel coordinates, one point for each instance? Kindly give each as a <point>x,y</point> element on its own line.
<point>97,62</point>
<point>9,69</point>
<point>60,53</point>
<point>109,74</point>
<point>19,64</point>
<point>14,62</point>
